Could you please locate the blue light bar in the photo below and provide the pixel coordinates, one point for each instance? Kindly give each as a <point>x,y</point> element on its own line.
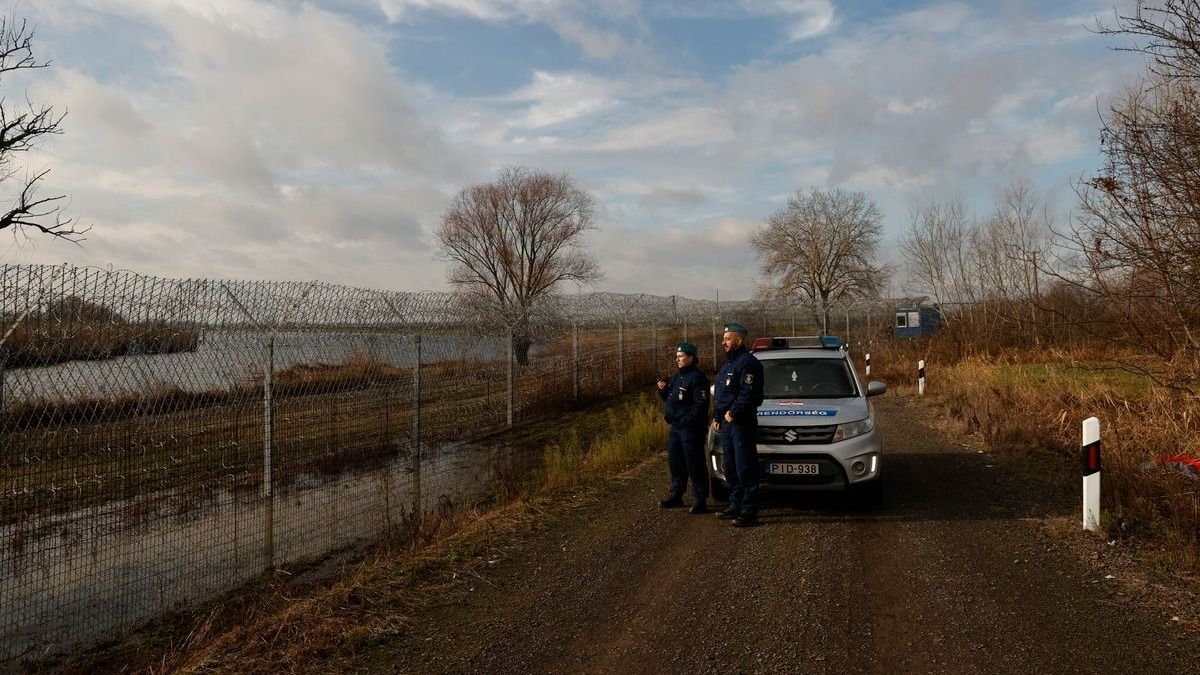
<point>831,342</point>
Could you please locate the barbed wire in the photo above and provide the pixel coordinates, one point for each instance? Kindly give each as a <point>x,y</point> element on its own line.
<point>165,440</point>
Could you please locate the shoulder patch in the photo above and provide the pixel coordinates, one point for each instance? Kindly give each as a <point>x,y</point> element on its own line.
<point>749,378</point>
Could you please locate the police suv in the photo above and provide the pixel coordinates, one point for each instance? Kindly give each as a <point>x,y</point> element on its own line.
<point>816,426</point>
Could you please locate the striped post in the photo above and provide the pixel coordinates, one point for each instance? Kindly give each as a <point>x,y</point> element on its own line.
<point>1091,474</point>
<point>921,377</point>
<point>867,356</point>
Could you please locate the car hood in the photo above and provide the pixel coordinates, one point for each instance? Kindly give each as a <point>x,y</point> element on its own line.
<point>803,412</point>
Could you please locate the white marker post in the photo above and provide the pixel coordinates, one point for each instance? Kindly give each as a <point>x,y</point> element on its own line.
<point>921,377</point>
<point>868,358</point>
<point>1091,474</point>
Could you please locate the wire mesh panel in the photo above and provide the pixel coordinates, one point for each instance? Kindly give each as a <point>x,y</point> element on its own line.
<point>163,440</point>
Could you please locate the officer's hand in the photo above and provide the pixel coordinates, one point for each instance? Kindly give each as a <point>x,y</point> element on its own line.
<point>662,384</point>
<point>728,416</point>
<point>716,425</point>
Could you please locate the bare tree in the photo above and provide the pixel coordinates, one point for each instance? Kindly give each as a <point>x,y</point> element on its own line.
<point>511,243</point>
<point>938,252</point>
<point>1012,249</point>
<point>821,247</point>
<point>1136,242</point>
<point>21,128</point>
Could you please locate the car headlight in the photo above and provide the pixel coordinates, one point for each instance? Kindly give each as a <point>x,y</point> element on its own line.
<point>852,429</point>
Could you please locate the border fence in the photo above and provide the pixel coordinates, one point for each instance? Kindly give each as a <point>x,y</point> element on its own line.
<point>163,441</point>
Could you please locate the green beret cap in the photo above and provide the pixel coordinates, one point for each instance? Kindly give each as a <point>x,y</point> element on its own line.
<point>736,328</point>
<point>687,348</point>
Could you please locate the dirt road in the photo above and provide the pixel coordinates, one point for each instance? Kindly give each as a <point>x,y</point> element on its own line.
<point>955,573</point>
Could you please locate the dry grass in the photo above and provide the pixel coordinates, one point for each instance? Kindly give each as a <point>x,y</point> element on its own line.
<point>48,342</point>
<point>1039,408</point>
<point>1030,397</point>
<point>633,431</point>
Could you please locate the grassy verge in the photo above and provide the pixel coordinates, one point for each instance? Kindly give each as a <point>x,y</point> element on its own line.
<point>282,624</point>
<point>1038,408</point>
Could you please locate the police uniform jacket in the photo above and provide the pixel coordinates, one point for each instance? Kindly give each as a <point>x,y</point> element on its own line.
<point>687,398</point>
<point>739,387</point>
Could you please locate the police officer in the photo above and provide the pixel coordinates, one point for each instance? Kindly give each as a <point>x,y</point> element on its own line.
<point>738,394</point>
<point>686,395</point>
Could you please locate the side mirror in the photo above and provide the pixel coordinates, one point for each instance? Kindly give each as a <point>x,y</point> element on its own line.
<point>875,388</point>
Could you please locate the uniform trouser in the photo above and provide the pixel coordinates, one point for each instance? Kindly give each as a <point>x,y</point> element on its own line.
<point>740,463</point>
<point>685,458</point>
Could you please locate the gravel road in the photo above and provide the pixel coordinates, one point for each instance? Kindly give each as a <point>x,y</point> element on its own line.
<point>954,574</point>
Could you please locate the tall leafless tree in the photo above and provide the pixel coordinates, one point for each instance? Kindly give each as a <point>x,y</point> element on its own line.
<point>821,247</point>
<point>1136,242</point>
<point>512,242</point>
<point>21,128</point>
<point>938,252</point>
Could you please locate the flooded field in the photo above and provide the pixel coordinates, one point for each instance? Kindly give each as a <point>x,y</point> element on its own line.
<point>75,578</point>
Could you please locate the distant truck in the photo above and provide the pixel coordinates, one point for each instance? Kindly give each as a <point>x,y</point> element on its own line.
<point>916,321</point>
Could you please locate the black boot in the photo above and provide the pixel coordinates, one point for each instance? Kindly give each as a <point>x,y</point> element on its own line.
<point>671,502</point>
<point>745,520</point>
<point>701,506</point>
<point>728,514</point>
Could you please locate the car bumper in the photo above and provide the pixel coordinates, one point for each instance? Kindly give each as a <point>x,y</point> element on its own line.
<point>851,462</point>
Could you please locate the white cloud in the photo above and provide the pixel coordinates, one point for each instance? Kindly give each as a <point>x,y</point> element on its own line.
<point>810,17</point>
<point>687,127</point>
<point>276,140</point>
<point>946,17</point>
<point>487,10</point>
<point>562,97</point>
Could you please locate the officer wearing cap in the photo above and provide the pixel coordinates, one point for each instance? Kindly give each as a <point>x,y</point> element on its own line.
<point>686,396</point>
<point>738,393</point>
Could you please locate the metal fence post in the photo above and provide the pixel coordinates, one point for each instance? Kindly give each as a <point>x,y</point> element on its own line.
<point>621,357</point>
<point>653,343</point>
<point>268,493</point>
<point>418,509</point>
<point>685,329</point>
<point>575,358</point>
<point>511,378</point>
<point>3,436</point>
<point>714,331</point>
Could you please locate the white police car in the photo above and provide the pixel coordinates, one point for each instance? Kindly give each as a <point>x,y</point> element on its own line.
<point>816,426</point>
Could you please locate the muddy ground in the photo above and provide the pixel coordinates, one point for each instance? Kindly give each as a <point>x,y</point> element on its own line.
<point>972,565</point>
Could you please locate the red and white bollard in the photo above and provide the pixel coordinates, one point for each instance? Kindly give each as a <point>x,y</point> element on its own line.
<point>1091,474</point>
<point>921,377</point>
<point>867,356</point>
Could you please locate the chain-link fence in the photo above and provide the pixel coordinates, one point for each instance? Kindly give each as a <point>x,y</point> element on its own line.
<point>163,441</point>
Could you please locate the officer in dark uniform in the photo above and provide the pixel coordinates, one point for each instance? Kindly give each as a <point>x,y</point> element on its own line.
<point>686,395</point>
<point>738,394</point>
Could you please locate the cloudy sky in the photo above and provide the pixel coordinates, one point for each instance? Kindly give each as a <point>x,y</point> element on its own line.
<point>252,139</point>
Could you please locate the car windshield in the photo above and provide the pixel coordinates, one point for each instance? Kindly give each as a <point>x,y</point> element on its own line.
<point>807,378</point>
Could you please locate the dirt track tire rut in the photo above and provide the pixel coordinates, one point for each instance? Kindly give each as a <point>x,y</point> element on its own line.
<point>954,573</point>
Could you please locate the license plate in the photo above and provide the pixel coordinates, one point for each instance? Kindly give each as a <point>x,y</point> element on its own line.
<point>793,469</point>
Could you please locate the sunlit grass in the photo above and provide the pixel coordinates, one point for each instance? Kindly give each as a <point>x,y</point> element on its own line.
<point>631,431</point>
<point>1039,408</point>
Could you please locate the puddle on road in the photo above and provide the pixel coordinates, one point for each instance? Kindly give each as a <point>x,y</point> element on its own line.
<point>71,580</point>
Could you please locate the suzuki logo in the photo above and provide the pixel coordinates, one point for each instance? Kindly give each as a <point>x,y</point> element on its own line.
<point>790,436</point>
